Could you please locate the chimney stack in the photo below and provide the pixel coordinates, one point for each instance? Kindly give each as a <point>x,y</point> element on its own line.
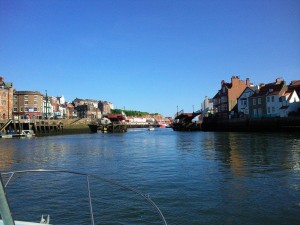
<point>248,84</point>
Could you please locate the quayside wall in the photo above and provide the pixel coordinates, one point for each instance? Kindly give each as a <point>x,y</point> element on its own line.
<point>254,125</point>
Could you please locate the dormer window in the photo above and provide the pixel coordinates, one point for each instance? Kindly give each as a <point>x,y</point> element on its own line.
<point>271,90</point>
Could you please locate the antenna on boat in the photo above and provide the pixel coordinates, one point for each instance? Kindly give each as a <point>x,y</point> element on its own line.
<point>4,206</point>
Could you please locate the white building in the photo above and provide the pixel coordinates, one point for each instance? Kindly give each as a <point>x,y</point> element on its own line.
<point>290,102</point>
<point>61,100</point>
<point>207,106</point>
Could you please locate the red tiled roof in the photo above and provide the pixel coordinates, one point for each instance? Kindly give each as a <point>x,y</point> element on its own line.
<point>265,90</point>
<point>295,83</point>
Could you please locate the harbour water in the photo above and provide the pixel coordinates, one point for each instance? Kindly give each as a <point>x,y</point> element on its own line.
<point>194,177</point>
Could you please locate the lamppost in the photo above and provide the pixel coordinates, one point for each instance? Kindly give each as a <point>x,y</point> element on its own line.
<point>8,104</point>
<point>46,106</point>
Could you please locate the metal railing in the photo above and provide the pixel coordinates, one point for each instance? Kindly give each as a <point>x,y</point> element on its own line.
<point>146,197</point>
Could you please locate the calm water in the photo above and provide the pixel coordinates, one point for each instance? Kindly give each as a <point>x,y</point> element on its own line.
<point>195,178</point>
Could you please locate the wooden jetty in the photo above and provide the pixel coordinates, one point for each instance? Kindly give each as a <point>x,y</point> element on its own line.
<point>39,127</point>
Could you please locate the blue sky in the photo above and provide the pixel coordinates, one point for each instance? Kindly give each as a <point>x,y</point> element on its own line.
<point>147,55</point>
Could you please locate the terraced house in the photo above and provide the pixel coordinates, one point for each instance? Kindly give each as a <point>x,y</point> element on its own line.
<point>275,100</point>
<point>225,101</point>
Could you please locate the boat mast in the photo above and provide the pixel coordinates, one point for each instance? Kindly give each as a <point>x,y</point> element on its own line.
<point>4,207</point>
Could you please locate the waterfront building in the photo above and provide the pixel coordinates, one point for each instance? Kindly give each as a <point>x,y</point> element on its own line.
<point>48,108</point>
<point>295,85</point>
<point>207,107</point>
<point>28,104</point>
<point>266,101</point>
<point>105,107</point>
<point>243,101</point>
<point>6,99</point>
<point>290,102</point>
<point>70,111</point>
<point>78,101</point>
<point>61,100</point>
<point>225,101</point>
<point>88,111</point>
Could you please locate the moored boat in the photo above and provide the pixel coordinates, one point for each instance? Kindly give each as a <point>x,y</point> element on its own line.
<point>23,134</point>
<point>150,128</point>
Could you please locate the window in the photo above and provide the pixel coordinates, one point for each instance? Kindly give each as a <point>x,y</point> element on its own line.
<point>35,97</point>
<point>21,109</point>
<point>224,107</point>
<point>259,101</point>
<point>26,109</point>
<point>15,110</point>
<point>3,102</point>
<point>244,102</point>
<point>255,112</point>
<point>26,102</point>
<point>269,111</point>
<point>35,109</point>
<point>35,102</point>
<point>25,96</point>
<point>15,97</point>
<point>254,101</point>
<point>259,112</point>
<point>268,99</point>
<point>273,109</point>
<point>223,99</point>
<point>273,98</point>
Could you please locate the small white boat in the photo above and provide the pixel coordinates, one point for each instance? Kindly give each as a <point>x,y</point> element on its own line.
<point>23,134</point>
<point>151,128</point>
<point>27,133</point>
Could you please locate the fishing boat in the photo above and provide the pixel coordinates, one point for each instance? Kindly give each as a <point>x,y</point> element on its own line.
<point>6,178</point>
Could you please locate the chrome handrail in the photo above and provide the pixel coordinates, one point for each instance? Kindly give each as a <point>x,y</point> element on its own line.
<point>146,197</point>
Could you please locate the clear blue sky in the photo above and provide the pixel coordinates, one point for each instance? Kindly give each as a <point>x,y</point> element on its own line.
<point>147,55</point>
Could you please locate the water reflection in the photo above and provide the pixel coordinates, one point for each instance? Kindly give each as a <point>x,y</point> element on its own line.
<point>7,159</point>
<point>260,151</point>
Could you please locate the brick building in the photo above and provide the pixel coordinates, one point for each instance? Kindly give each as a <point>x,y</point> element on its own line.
<point>105,107</point>
<point>6,99</point>
<point>225,101</point>
<point>28,104</point>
